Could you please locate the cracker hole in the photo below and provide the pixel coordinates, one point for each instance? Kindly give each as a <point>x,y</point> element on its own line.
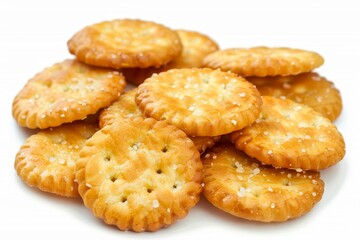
<point>149,190</point>
<point>286,182</point>
<point>107,158</point>
<point>165,149</point>
<point>175,186</point>
<point>113,178</point>
<point>124,199</point>
<point>255,194</point>
<point>48,84</point>
<point>159,171</point>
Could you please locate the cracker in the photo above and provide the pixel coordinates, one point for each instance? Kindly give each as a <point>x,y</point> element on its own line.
<point>264,61</point>
<point>65,92</point>
<point>47,159</point>
<point>203,143</point>
<point>243,187</point>
<point>195,47</point>
<point>123,108</point>
<point>125,43</point>
<point>201,102</point>
<point>307,88</point>
<point>291,135</point>
<point>139,174</point>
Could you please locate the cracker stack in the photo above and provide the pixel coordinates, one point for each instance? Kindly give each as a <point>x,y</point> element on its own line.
<point>153,153</point>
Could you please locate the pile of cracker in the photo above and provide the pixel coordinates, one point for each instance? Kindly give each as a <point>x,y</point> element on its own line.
<point>249,128</point>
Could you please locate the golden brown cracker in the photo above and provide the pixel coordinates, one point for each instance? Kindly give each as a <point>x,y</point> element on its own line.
<point>264,61</point>
<point>139,174</point>
<point>124,107</point>
<point>65,92</point>
<point>243,187</point>
<point>203,143</point>
<point>307,88</point>
<point>125,43</point>
<point>195,47</point>
<point>291,135</point>
<point>47,159</point>
<point>201,102</point>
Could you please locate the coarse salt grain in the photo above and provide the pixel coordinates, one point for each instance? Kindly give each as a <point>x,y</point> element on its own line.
<point>241,192</point>
<point>239,167</point>
<point>155,203</point>
<point>256,171</point>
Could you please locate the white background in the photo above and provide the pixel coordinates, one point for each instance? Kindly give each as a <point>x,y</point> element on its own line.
<point>33,35</point>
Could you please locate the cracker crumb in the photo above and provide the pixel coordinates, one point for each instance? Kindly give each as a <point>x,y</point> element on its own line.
<point>269,152</point>
<point>88,185</point>
<point>234,122</point>
<point>313,194</point>
<point>270,189</point>
<point>242,94</point>
<point>272,205</point>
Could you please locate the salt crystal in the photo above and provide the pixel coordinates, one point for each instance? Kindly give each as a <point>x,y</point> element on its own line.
<point>155,203</point>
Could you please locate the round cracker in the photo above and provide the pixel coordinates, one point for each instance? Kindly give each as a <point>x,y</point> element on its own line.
<point>139,174</point>
<point>264,61</point>
<point>203,143</point>
<point>243,187</point>
<point>124,107</point>
<point>125,43</point>
<point>306,88</point>
<point>65,92</point>
<point>47,159</point>
<point>291,135</point>
<point>201,102</point>
<point>195,47</point>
